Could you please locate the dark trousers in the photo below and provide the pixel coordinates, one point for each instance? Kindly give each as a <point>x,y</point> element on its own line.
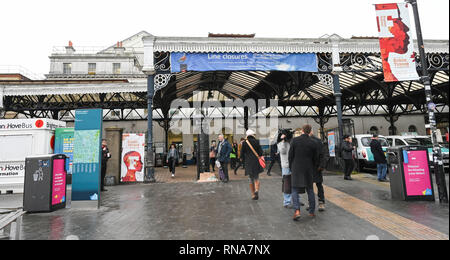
<point>272,162</point>
<point>172,164</point>
<point>349,165</point>
<point>224,166</point>
<point>233,163</point>
<point>212,162</point>
<point>320,192</point>
<point>103,175</point>
<point>240,163</point>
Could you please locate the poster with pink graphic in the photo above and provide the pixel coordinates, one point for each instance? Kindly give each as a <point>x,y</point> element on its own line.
<point>59,182</point>
<point>417,174</point>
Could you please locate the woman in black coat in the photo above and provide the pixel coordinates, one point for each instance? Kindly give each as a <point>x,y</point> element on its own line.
<point>252,166</point>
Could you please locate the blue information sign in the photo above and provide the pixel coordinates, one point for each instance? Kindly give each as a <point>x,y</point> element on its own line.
<point>87,155</point>
<point>243,62</point>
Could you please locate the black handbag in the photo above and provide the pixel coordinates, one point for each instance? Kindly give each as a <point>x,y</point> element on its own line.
<point>286,186</point>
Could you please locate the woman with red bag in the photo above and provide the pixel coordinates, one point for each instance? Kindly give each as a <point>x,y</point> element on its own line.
<point>254,162</point>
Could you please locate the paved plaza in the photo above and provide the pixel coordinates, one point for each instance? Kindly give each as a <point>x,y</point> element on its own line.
<point>180,208</point>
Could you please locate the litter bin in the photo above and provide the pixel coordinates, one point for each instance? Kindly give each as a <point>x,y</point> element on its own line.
<point>45,183</point>
<point>409,173</point>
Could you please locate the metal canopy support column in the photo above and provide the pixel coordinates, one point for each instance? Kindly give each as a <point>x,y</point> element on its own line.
<point>336,70</point>
<point>149,166</point>
<point>437,154</point>
<point>149,69</point>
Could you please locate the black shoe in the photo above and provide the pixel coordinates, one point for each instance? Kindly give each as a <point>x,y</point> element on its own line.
<point>104,190</point>
<point>256,196</point>
<point>302,204</point>
<point>268,174</point>
<point>348,178</point>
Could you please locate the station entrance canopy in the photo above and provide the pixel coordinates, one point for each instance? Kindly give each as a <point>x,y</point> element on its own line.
<point>300,93</point>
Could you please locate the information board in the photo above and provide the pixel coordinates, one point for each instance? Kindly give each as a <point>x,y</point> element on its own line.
<point>87,155</point>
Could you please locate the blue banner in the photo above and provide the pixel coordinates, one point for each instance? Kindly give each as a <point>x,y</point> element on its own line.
<point>181,62</point>
<point>87,155</point>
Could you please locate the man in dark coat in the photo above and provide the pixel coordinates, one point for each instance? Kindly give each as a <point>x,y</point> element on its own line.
<point>323,155</point>
<point>223,155</point>
<point>347,155</point>
<point>379,157</point>
<point>303,161</point>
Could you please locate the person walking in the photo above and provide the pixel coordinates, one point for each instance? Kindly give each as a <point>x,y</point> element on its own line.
<point>347,155</point>
<point>274,157</point>
<point>303,158</point>
<point>379,157</point>
<point>323,155</point>
<point>105,157</point>
<point>172,159</point>
<point>233,156</point>
<point>240,162</point>
<point>223,155</point>
<point>212,155</point>
<point>250,154</point>
<point>283,149</point>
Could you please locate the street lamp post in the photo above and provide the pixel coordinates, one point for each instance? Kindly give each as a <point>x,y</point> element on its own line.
<point>437,154</point>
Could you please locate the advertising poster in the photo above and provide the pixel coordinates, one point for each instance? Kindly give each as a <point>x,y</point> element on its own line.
<point>417,173</point>
<point>64,145</point>
<point>332,144</point>
<point>59,182</point>
<point>396,45</point>
<point>181,62</point>
<point>87,155</point>
<point>133,151</point>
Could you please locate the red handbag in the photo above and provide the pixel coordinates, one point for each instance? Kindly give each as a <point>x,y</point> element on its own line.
<point>261,160</point>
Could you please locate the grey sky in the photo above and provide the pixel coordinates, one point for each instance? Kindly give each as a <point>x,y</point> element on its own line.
<point>30,28</point>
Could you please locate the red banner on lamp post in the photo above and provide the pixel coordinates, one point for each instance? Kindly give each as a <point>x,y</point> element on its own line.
<point>396,45</point>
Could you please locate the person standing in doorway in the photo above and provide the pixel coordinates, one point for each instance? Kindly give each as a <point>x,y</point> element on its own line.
<point>212,155</point>
<point>172,159</point>
<point>250,154</point>
<point>283,149</point>
<point>323,155</point>
<point>105,157</point>
<point>379,157</point>
<point>303,161</point>
<point>347,155</point>
<point>223,155</point>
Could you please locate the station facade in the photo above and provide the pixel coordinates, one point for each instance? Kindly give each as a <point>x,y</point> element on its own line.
<point>116,79</point>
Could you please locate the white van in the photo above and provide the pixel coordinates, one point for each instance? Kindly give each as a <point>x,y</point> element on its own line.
<point>20,138</point>
<point>422,140</point>
<point>365,156</point>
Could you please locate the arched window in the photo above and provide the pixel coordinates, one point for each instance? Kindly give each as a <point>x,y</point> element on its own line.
<point>373,130</point>
<point>392,130</point>
<point>412,129</point>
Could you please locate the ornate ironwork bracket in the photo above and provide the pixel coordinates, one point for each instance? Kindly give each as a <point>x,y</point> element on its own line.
<point>161,81</point>
<point>326,80</point>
